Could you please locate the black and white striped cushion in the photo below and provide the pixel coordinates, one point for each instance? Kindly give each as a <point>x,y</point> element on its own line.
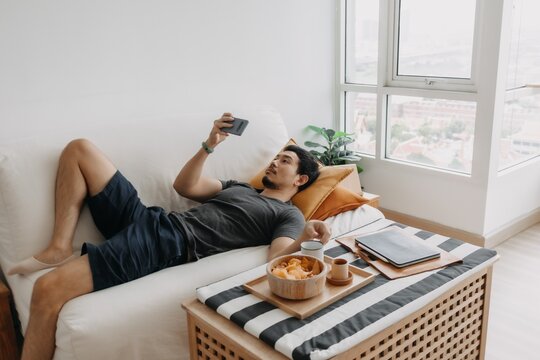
<point>352,319</point>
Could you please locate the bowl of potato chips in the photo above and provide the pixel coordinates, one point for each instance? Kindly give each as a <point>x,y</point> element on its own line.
<point>296,277</point>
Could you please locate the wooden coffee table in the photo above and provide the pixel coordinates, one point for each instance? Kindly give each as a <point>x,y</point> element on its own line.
<point>452,326</point>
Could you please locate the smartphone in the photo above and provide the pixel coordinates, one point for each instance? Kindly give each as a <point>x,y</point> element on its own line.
<point>239,125</point>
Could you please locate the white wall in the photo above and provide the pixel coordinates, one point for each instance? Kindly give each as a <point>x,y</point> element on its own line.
<point>514,193</point>
<point>444,198</point>
<point>66,63</point>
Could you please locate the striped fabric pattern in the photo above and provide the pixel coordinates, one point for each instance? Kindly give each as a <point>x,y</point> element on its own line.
<point>352,319</point>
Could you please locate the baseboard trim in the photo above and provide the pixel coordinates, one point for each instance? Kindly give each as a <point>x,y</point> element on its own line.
<point>512,228</point>
<point>432,226</point>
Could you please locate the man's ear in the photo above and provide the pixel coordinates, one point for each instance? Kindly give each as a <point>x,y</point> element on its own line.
<point>301,180</point>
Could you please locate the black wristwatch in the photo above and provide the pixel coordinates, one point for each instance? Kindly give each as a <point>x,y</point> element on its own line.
<point>207,148</point>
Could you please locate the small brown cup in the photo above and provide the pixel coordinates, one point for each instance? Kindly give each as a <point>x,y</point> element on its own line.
<point>340,269</point>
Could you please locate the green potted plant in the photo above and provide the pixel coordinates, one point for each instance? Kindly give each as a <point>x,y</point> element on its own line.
<point>334,149</point>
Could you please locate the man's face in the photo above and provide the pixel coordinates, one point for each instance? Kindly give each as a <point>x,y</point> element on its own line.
<point>282,171</point>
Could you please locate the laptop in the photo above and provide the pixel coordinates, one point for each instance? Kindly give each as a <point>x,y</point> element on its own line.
<point>397,247</point>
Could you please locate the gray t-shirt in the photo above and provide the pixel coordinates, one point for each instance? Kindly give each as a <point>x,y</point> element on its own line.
<point>237,217</point>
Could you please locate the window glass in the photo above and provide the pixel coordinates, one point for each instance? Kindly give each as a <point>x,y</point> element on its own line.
<point>524,61</point>
<point>436,38</point>
<point>432,132</point>
<point>520,134</point>
<point>361,120</point>
<point>362,41</point>
<point>520,128</point>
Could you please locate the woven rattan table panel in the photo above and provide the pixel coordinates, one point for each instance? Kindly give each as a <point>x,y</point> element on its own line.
<point>453,326</point>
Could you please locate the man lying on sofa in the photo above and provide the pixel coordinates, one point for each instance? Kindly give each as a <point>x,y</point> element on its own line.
<point>142,240</point>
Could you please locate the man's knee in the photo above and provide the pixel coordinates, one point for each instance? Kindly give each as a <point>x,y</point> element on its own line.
<point>79,147</point>
<point>47,293</point>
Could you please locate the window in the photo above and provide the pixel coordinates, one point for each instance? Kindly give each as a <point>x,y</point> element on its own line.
<point>416,80</point>
<point>433,132</point>
<point>362,120</point>
<point>362,36</point>
<point>435,38</point>
<point>520,134</point>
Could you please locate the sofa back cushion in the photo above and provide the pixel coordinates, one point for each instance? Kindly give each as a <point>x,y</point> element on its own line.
<point>148,153</point>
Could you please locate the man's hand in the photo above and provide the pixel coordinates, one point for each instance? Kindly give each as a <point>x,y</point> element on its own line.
<point>217,135</point>
<point>190,182</point>
<point>316,229</point>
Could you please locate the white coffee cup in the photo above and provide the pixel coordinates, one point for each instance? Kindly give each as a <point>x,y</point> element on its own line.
<point>313,248</point>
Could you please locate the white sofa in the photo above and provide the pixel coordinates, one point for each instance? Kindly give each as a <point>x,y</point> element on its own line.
<point>142,319</point>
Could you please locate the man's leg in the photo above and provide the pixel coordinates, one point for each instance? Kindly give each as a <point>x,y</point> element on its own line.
<point>82,170</point>
<point>51,292</point>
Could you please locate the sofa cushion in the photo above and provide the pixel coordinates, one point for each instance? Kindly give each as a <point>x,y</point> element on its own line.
<point>149,154</point>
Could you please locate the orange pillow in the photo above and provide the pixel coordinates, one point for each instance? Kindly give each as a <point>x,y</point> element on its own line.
<point>339,200</point>
<point>309,200</point>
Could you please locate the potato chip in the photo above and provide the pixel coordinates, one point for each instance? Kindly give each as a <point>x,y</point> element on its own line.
<point>297,269</point>
<point>305,263</point>
<point>316,268</point>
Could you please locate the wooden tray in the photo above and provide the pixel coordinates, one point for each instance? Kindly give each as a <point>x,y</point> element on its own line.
<point>304,308</point>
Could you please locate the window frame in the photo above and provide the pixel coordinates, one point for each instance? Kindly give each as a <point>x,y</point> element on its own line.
<point>430,82</point>
<point>386,86</point>
<point>387,140</point>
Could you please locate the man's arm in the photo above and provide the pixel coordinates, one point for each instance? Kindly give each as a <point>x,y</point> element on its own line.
<point>189,181</point>
<point>314,229</point>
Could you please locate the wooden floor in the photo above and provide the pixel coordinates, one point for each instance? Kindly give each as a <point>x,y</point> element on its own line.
<point>514,319</point>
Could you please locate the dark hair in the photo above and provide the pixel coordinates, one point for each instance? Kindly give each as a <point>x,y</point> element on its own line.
<point>307,165</point>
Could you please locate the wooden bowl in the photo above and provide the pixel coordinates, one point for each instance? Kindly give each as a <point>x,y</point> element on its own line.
<point>296,289</point>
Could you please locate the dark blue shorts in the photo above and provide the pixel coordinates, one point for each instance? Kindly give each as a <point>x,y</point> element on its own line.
<point>140,240</point>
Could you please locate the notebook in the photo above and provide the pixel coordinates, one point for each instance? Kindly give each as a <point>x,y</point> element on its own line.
<point>397,247</point>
